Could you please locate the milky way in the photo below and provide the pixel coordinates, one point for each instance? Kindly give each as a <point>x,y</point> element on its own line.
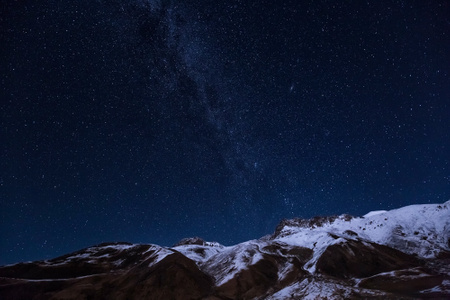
<point>149,121</point>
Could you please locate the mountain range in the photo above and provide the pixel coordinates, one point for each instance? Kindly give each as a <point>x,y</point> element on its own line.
<point>398,254</point>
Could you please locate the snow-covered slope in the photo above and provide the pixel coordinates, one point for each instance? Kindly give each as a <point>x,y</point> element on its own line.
<point>417,229</point>
<point>224,265</point>
<point>197,249</point>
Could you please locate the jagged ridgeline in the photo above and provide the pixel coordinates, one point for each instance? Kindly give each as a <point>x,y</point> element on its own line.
<point>398,254</point>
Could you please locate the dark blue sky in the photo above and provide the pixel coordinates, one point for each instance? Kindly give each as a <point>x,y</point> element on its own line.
<point>149,121</point>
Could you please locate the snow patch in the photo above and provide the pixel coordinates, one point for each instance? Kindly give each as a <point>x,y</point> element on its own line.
<point>374,213</point>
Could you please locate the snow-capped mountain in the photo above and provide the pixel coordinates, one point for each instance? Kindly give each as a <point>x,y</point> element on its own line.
<point>398,254</point>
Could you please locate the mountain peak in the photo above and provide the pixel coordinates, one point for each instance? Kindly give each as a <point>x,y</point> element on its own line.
<point>191,241</point>
<point>196,241</point>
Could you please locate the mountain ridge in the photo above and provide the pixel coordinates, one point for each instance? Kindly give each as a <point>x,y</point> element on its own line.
<point>398,254</point>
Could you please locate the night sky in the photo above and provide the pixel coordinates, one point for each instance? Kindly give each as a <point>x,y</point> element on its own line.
<point>151,121</point>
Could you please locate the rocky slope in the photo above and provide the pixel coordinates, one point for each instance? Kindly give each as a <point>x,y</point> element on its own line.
<point>397,254</point>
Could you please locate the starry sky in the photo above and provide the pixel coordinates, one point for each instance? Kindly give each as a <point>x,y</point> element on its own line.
<point>149,121</point>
